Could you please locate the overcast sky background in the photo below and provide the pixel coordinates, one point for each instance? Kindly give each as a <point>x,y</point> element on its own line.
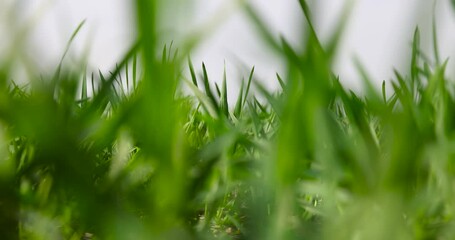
<point>379,32</point>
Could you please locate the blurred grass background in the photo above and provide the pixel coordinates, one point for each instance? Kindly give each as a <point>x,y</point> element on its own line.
<point>376,31</point>
<point>130,154</point>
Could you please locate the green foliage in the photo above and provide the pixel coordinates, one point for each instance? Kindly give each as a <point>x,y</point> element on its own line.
<point>129,155</point>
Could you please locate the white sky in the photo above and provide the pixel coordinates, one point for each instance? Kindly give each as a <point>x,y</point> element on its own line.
<point>379,32</point>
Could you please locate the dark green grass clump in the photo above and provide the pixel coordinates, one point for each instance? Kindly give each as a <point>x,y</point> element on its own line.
<point>127,155</point>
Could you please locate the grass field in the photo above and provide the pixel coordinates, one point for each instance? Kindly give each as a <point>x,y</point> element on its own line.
<point>129,154</point>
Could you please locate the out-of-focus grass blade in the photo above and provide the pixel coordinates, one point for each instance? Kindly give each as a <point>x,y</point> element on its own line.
<point>218,91</point>
<point>169,54</point>
<point>436,85</point>
<point>106,84</point>
<point>155,121</point>
<point>402,85</point>
<point>334,40</point>
<point>313,34</point>
<point>262,28</point>
<point>384,95</point>
<point>193,74</point>
<point>208,91</point>
<point>239,103</point>
<point>224,107</point>
<point>134,71</point>
<point>102,78</point>
<point>435,36</point>
<point>256,120</point>
<point>259,105</point>
<point>127,75</point>
<point>84,89</point>
<point>207,104</point>
<point>281,82</point>
<point>67,48</point>
<point>248,85</point>
<point>73,36</point>
<point>276,105</point>
<point>291,54</point>
<point>164,54</point>
<point>92,80</point>
<point>415,54</point>
<point>366,80</point>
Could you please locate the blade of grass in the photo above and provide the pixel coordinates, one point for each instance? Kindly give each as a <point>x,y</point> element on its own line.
<point>313,34</point>
<point>366,80</point>
<point>239,104</point>
<point>218,91</point>
<point>415,54</point>
<point>68,45</point>
<point>262,28</point>
<point>84,88</point>
<point>281,82</point>
<point>99,100</point>
<point>135,72</point>
<point>127,75</point>
<point>193,74</point>
<point>340,28</point>
<point>384,95</point>
<point>164,54</point>
<point>250,78</point>
<point>435,36</point>
<point>203,98</point>
<point>224,107</point>
<point>208,91</point>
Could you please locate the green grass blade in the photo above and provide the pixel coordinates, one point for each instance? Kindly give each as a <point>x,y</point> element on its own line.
<point>259,131</point>
<point>291,55</point>
<point>384,95</point>
<point>134,72</point>
<point>127,76</point>
<point>281,82</point>
<point>73,36</point>
<point>192,72</point>
<point>340,28</point>
<point>208,91</point>
<point>94,93</point>
<point>366,80</point>
<point>224,107</point>
<point>248,85</point>
<point>239,104</point>
<point>259,105</point>
<point>99,100</point>
<point>84,90</point>
<point>207,103</point>
<point>415,54</point>
<point>67,48</point>
<point>262,28</point>
<point>164,54</point>
<point>275,103</point>
<point>218,91</point>
<point>313,34</point>
<point>435,37</point>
